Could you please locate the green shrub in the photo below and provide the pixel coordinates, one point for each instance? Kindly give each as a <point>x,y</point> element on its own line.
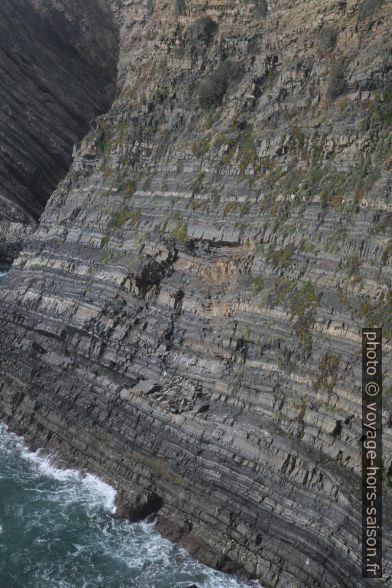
<point>387,253</point>
<point>258,285</point>
<point>203,30</point>
<point>213,88</point>
<point>104,242</point>
<point>129,188</point>
<point>210,118</point>
<point>120,218</point>
<point>303,299</point>
<point>300,300</point>
<point>378,313</point>
<point>353,265</point>
<point>180,232</point>
<point>247,149</point>
<point>281,257</point>
<point>201,147</point>
<point>136,216</point>
<point>261,8</point>
<point>337,84</point>
<point>367,7</point>
<point>230,207</point>
<point>179,7</point>
<point>327,38</point>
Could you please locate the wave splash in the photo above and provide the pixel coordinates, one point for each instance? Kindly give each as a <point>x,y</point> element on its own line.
<point>57,529</point>
<point>80,486</point>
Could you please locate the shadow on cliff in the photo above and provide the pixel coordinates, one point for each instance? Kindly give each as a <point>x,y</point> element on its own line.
<point>58,64</point>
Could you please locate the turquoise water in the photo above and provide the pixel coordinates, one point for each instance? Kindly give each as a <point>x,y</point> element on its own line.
<point>57,531</point>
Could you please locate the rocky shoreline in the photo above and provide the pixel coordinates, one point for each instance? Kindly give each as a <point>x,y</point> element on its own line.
<point>185,321</point>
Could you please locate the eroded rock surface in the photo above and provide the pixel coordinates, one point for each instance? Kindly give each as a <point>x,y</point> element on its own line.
<point>186,320</point>
<point>58,69</point>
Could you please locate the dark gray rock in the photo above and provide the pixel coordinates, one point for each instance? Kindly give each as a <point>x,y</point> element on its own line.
<point>58,70</point>
<point>186,320</point>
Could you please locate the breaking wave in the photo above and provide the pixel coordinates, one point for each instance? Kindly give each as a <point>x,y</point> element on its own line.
<point>57,529</point>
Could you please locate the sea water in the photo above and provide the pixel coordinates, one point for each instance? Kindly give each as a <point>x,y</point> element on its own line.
<point>57,530</point>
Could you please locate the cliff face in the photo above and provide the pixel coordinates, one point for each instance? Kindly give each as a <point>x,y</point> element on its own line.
<point>58,66</point>
<point>186,319</point>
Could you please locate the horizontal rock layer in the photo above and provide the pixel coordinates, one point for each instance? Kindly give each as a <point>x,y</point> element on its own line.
<point>186,319</point>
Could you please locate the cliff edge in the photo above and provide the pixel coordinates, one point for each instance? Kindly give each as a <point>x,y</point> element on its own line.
<point>186,319</point>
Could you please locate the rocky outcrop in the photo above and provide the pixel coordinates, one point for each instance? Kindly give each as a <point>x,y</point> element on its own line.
<point>58,69</point>
<point>186,319</point>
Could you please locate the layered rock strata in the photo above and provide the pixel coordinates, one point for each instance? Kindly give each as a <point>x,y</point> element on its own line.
<point>58,69</point>
<point>186,319</point>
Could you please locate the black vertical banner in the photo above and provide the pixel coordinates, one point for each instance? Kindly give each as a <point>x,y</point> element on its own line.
<point>372,458</point>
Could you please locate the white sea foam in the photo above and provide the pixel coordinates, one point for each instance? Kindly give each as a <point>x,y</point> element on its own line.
<point>136,554</point>
<point>102,490</point>
<point>78,486</point>
<point>46,465</point>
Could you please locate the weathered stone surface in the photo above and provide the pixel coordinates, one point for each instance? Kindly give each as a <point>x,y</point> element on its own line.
<point>186,319</point>
<point>58,69</point>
